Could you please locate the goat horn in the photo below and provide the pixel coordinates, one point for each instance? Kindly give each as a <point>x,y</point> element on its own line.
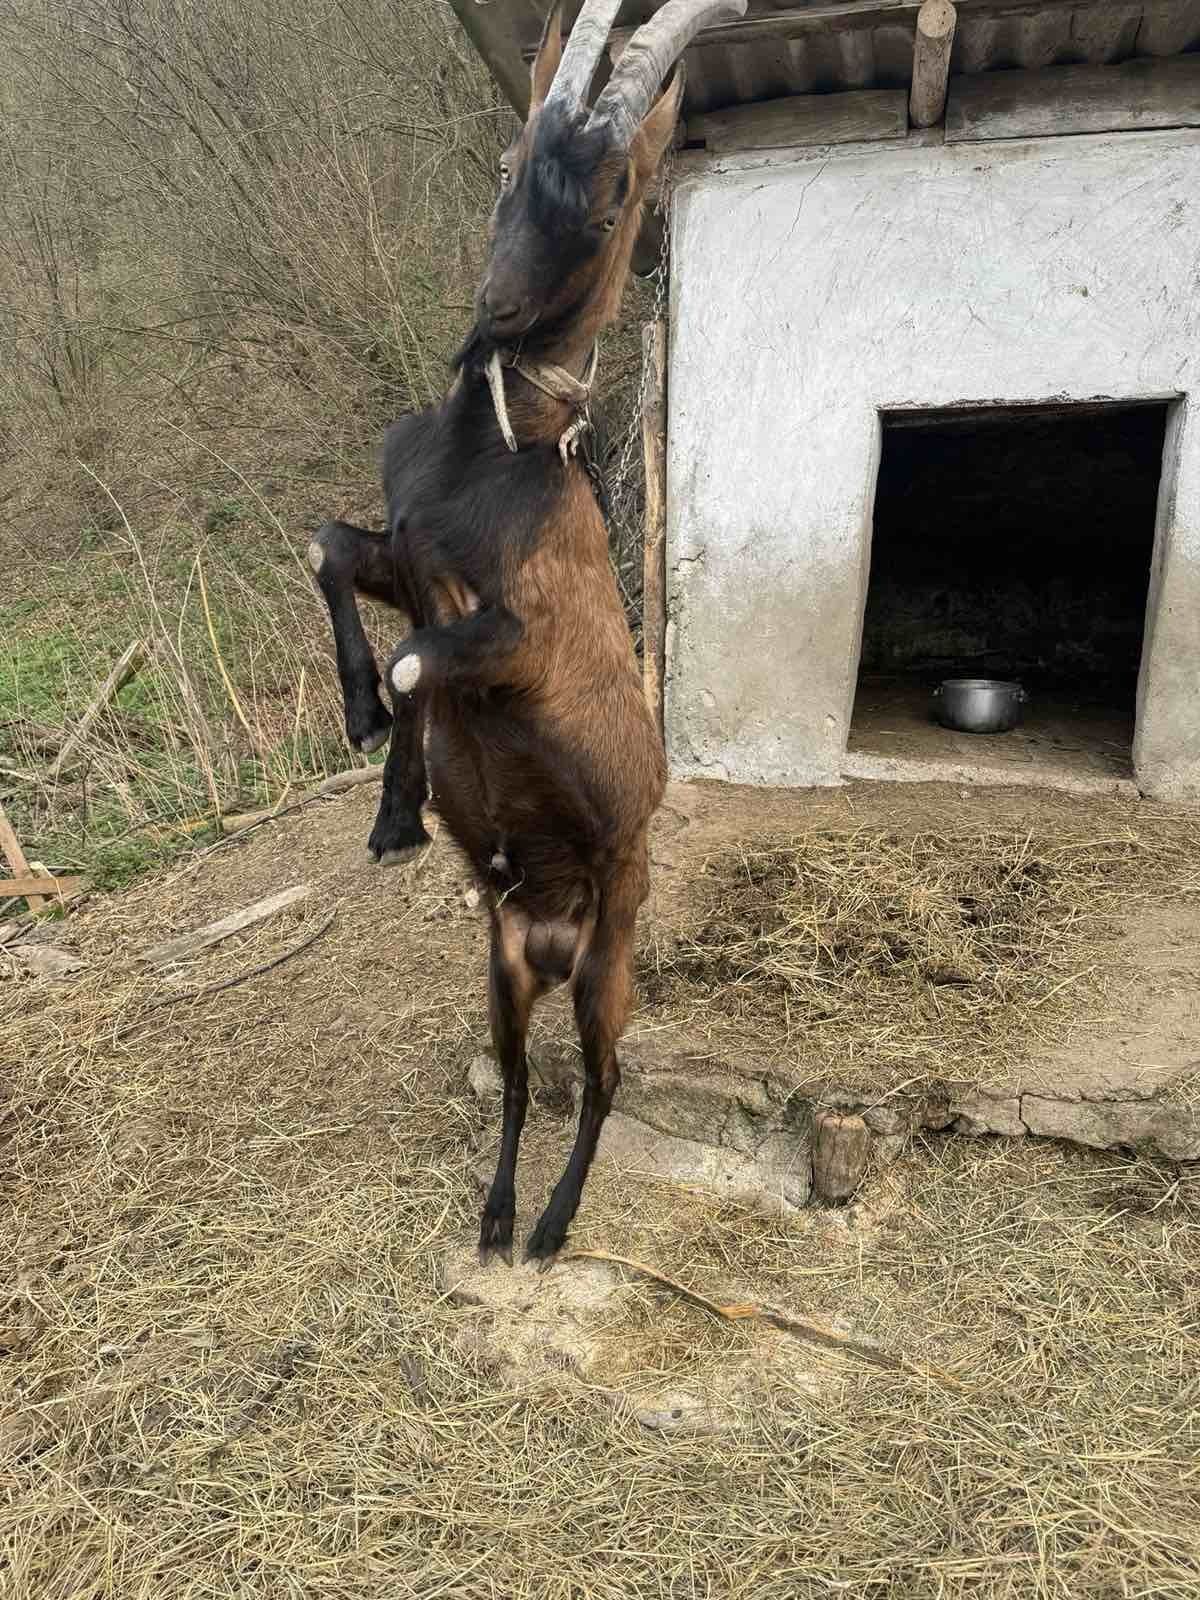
<point>650,55</point>
<point>583,50</point>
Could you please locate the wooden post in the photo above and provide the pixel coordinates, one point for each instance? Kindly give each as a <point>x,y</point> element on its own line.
<point>841,1151</point>
<point>10,845</point>
<point>654,579</point>
<point>127,667</point>
<point>932,44</point>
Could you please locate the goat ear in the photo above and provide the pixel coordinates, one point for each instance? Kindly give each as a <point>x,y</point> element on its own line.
<point>658,127</point>
<point>545,63</point>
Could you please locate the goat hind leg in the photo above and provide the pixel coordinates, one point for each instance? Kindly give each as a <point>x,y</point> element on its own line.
<point>513,987</point>
<point>603,986</point>
<point>344,558</point>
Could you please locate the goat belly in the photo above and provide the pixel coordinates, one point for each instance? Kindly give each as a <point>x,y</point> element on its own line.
<point>505,785</point>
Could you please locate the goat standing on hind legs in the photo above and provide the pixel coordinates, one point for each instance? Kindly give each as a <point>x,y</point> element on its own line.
<point>543,759</point>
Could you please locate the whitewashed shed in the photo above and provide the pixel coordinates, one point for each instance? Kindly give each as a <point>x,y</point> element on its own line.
<point>934,386</point>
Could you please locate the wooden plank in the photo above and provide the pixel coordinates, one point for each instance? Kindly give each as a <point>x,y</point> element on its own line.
<point>1168,27</point>
<point>191,944</point>
<point>932,44</point>
<point>654,576</point>
<point>804,119</point>
<point>10,848</point>
<point>29,885</point>
<point>500,32</point>
<point>128,666</point>
<point>1063,100</point>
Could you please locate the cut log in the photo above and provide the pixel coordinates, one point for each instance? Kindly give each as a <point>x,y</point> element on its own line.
<point>932,44</point>
<point>10,848</point>
<point>191,944</point>
<point>841,1151</point>
<point>654,577</point>
<point>129,665</point>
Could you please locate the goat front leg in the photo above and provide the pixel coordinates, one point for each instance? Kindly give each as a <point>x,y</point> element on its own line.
<point>399,831</point>
<point>474,652</point>
<point>343,559</point>
<point>603,991</point>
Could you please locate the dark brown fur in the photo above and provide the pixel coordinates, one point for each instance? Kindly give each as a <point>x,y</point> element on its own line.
<point>543,759</point>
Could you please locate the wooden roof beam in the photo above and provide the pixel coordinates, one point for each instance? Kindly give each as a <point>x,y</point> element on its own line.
<point>498,29</point>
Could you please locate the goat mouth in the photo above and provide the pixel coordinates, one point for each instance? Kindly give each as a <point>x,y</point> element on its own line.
<point>506,330</point>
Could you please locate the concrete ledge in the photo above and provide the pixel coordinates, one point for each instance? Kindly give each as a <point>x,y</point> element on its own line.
<point>994,774</point>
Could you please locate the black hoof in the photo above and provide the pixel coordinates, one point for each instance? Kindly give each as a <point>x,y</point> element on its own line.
<point>368,723</point>
<point>396,840</point>
<point>544,1243</point>
<point>495,1236</point>
<point>397,858</point>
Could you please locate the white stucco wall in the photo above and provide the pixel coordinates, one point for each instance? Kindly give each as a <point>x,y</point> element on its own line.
<point>807,297</point>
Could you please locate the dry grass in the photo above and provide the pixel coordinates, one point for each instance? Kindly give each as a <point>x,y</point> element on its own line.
<point>933,953</point>
<point>229,1369</point>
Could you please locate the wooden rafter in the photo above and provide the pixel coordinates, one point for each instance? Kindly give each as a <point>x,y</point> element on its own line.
<point>933,41</point>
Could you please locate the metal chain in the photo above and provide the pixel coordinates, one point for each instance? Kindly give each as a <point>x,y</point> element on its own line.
<point>619,493</point>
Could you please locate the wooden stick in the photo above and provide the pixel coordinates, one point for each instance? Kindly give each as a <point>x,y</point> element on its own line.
<point>10,845</point>
<point>229,983</point>
<point>654,580</point>
<point>810,1332</point>
<point>932,44</point>
<point>31,885</point>
<point>190,944</point>
<point>127,667</point>
<point>334,784</point>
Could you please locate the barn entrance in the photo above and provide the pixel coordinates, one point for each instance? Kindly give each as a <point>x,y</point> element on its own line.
<point>1009,543</point>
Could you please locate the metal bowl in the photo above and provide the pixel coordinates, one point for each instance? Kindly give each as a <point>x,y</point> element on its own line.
<point>978,705</point>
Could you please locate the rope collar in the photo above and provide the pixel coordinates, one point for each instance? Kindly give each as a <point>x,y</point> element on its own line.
<point>554,381</point>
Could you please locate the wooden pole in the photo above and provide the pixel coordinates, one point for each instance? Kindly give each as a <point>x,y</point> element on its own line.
<point>932,44</point>
<point>654,580</point>
<point>127,667</point>
<point>10,845</point>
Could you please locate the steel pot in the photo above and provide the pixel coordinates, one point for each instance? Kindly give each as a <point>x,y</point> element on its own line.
<point>978,705</point>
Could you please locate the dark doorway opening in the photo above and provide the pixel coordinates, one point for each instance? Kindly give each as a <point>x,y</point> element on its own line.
<point>1011,543</point>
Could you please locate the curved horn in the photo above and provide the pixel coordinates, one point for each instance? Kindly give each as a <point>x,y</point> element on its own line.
<point>650,55</point>
<point>582,54</point>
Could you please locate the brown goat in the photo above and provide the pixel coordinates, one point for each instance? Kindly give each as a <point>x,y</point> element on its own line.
<point>519,686</point>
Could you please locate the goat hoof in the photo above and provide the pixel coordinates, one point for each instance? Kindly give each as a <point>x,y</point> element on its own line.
<point>394,840</point>
<point>495,1237</point>
<point>486,1252</point>
<point>395,858</point>
<point>543,1246</point>
<point>406,674</point>
<point>368,722</point>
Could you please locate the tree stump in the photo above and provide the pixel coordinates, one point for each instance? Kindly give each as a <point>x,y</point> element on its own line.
<point>841,1151</point>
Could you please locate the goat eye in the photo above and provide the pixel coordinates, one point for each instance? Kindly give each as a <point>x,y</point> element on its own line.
<point>610,222</point>
<point>504,174</point>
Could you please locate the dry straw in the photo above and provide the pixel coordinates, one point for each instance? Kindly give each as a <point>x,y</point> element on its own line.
<point>230,1370</point>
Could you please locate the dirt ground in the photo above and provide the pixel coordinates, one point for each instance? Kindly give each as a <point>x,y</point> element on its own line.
<point>243,1351</point>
